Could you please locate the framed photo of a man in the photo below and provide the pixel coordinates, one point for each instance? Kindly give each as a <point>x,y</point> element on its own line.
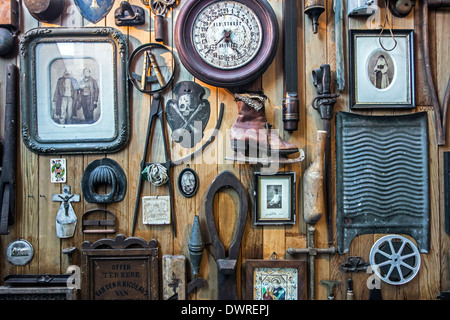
<point>75,95</point>
<point>381,69</point>
<point>274,198</point>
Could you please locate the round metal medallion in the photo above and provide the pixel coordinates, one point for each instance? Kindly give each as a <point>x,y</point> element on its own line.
<point>19,252</point>
<point>226,43</point>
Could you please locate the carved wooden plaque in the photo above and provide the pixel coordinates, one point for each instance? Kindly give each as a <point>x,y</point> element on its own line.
<point>120,269</point>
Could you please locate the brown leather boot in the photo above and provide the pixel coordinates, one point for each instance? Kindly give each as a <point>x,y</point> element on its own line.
<point>251,130</point>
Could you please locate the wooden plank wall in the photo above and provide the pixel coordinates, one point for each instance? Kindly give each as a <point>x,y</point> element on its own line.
<point>35,218</point>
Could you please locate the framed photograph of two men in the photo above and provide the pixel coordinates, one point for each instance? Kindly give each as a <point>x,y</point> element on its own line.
<point>74,91</point>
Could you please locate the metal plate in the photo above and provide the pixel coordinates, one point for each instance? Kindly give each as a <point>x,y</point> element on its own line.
<point>382,177</point>
<point>19,252</point>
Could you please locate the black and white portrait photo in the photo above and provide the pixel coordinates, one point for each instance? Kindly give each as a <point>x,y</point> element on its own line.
<point>381,69</point>
<point>274,196</point>
<point>75,88</point>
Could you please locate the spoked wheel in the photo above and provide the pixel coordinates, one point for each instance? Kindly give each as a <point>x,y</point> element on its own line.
<point>395,259</point>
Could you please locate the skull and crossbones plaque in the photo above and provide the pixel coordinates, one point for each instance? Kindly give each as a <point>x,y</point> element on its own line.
<point>188,114</point>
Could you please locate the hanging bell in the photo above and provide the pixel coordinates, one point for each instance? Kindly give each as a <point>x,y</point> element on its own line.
<point>314,8</point>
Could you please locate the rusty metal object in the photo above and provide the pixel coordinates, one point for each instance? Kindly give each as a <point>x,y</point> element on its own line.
<point>290,102</point>
<point>329,285</point>
<point>324,104</point>
<point>446,179</point>
<point>120,269</point>
<point>188,114</point>
<point>439,3</point>
<point>129,15</point>
<point>46,279</point>
<point>314,8</point>
<point>45,10</point>
<point>196,247</point>
<point>354,264</point>
<point>382,177</point>
<point>401,8</point>
<point>9,159</point>
<point>226,263</point>
<point>69,252</point>
<point>9,14</point>
<point>156,111</point>
<point>312,252</point>
<point>103,173</point>
<point>159,8</point>
<point>107,225</point>
<point>440,113</point>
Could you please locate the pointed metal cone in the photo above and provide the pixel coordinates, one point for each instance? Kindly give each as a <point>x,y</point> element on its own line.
<point>94,10</point>
<point>196,246</point>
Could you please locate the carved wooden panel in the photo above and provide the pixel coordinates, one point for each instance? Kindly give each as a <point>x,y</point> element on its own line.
<point>120,269</point>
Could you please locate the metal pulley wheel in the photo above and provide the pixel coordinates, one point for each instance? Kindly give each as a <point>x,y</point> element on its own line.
<point>395,259</point>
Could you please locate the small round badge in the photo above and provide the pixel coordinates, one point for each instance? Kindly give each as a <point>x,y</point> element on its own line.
<point>19,252</point>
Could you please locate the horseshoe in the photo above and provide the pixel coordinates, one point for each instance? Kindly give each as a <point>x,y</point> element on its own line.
<point>226,265</point>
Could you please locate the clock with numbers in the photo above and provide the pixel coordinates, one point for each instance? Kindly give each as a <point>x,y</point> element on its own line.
<point>226,43</point>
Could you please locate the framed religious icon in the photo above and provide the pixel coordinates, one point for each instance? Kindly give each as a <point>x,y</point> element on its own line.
<point>74,97</point>
<point>381,69</point>
<point>275,280</point>
<point>274,197</point>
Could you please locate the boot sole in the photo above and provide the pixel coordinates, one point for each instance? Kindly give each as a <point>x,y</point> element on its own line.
<point>246,150</point>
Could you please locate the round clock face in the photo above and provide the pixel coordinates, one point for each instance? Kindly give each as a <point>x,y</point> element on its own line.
<point>227,34</point>
<point>226,43</point>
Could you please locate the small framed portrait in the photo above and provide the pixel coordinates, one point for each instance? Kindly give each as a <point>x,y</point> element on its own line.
<point>381,69</point>
<point>74,98</point>
<point>188,182</point>
<point>275,279</point>
<point>274,197</point>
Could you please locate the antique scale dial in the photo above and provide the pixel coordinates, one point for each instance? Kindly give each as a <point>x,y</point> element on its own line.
<point>227,34</point>
<point>226,43</point>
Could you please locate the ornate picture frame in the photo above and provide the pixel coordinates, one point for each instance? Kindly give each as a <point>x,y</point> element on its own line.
<point>275,279</point>
<point>74,90</point>
<point>381,69</point>
<point>274,198</point>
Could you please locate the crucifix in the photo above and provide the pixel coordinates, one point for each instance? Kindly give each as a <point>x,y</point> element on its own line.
<point>66,219</point>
